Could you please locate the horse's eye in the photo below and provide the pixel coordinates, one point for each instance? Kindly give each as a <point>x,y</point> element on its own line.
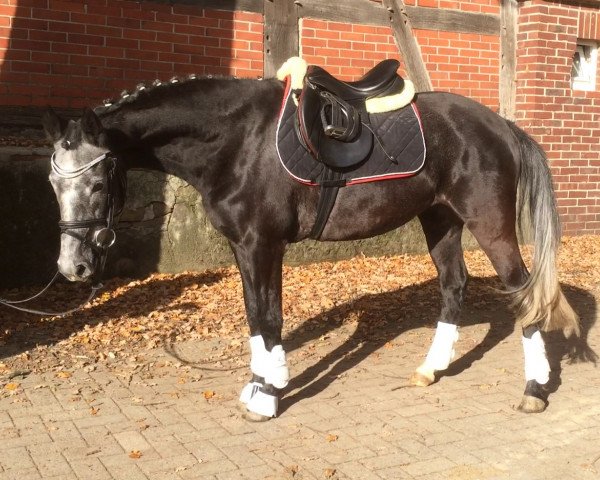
<point>97,187</point>
<point>65,144</point>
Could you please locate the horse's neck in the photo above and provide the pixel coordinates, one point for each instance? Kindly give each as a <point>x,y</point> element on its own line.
<point>198,141</point>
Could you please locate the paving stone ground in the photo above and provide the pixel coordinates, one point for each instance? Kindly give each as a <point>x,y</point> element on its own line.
<point>347,414</point>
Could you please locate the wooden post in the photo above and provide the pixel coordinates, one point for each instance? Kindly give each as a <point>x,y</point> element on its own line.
<point>281,34</point>
<point>508,57</point>
<point>407,44</point>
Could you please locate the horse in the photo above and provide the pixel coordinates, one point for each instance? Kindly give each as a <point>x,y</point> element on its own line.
<point>218,134</point>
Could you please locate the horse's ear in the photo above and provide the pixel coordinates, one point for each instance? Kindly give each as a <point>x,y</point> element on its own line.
<point>91,126</point>
<point>54,126</point>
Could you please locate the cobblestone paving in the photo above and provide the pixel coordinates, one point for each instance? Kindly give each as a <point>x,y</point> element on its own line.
<point>347,414</point>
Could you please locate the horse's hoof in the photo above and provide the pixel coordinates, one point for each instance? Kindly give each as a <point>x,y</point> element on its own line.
<point>531,404</point>
<point>255,417</point>
<point>419,379</point>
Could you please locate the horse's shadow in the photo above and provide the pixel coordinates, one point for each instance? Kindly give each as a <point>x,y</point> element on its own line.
<point>22,331</point>
<point>384,317</point>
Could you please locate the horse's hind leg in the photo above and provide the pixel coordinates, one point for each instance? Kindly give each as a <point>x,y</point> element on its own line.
<point>443,231</point>
<point>497,237</point>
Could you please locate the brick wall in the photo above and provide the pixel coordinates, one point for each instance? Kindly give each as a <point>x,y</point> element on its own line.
<point>566,122</point>
<point>70,53</point>
<point>463,63</point>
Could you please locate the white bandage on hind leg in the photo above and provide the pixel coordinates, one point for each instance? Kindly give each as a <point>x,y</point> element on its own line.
<point>272,366</point>
<point>536,363</point>
<point>441,351</point>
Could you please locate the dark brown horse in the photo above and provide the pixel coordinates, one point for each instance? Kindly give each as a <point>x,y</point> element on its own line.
<point>218,135</point>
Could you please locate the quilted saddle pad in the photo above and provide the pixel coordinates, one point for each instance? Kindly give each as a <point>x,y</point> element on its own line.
<point>399,135</point>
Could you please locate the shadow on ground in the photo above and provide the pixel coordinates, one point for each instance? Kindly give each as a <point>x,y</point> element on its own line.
<point>378,319</point>
<point>384,317</point>
<point>21,331</point>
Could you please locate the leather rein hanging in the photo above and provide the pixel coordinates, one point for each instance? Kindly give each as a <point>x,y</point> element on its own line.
<point>102,240</point>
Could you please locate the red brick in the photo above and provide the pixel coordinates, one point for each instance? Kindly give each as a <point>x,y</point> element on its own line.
<point>139,35</point>
<point>69,48</point>
<point>130,23</point>
<point>143,55</point>
<point>87,60</point>
<point>156,46</point>
<point>106,52</point>
<point>157,26</point>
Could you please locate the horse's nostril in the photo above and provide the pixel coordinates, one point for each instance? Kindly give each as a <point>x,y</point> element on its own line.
<point>80,270</point>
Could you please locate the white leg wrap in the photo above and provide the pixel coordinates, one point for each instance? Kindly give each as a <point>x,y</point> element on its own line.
<point>441,351</point>
<point>272,366</point>
<point>249,391</point>
<point>536,363</point>
<point>263,404</point>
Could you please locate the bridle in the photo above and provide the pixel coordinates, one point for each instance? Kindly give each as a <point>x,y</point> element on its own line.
<point>103,238</point>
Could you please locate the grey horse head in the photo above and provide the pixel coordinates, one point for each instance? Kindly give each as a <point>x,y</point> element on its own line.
<point>82,180</point>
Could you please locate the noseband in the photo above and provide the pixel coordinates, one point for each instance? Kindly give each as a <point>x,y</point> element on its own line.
<point>103,238</point>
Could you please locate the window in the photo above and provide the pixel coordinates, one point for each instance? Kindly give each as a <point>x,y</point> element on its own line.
<point>585,65</point>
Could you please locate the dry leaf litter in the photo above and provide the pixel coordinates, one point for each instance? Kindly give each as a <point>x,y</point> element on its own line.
<point>130,318</point>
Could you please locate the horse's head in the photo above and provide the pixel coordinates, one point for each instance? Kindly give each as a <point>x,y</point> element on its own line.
<point>89,187</point>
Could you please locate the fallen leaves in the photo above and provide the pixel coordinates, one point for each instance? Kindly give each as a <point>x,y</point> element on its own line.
<point>364,293</point>
<point>329,472</point>
<point>135,454</point>
<point>331,437</point>
<point>11,387</point>
<point>208,394</point>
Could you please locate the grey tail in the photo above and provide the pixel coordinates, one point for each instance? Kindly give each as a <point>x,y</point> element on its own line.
<point>540,300</point>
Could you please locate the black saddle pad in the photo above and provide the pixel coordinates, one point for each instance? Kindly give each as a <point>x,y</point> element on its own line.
<point>399,134</point>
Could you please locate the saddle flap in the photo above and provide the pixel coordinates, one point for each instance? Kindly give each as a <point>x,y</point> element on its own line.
<point>313,116</point>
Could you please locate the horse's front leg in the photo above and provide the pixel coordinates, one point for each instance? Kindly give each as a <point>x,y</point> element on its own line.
<point>260,265</point>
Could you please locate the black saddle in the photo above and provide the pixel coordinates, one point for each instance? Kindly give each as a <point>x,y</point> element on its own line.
<point>332,121</point>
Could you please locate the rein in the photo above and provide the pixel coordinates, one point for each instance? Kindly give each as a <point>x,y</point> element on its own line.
<point>102,240</point>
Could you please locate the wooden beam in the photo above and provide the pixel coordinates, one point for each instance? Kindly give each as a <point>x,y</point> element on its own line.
<point>407,43</point>
<point>345,11</point>
<point>281,34</point>
<point>508,57</point>
<point>228,5</point>
<point>370,13</point>
<point>422,18</point>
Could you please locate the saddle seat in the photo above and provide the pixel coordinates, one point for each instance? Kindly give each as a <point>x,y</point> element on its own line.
<point>380,81</point>
<point>333,123</point>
